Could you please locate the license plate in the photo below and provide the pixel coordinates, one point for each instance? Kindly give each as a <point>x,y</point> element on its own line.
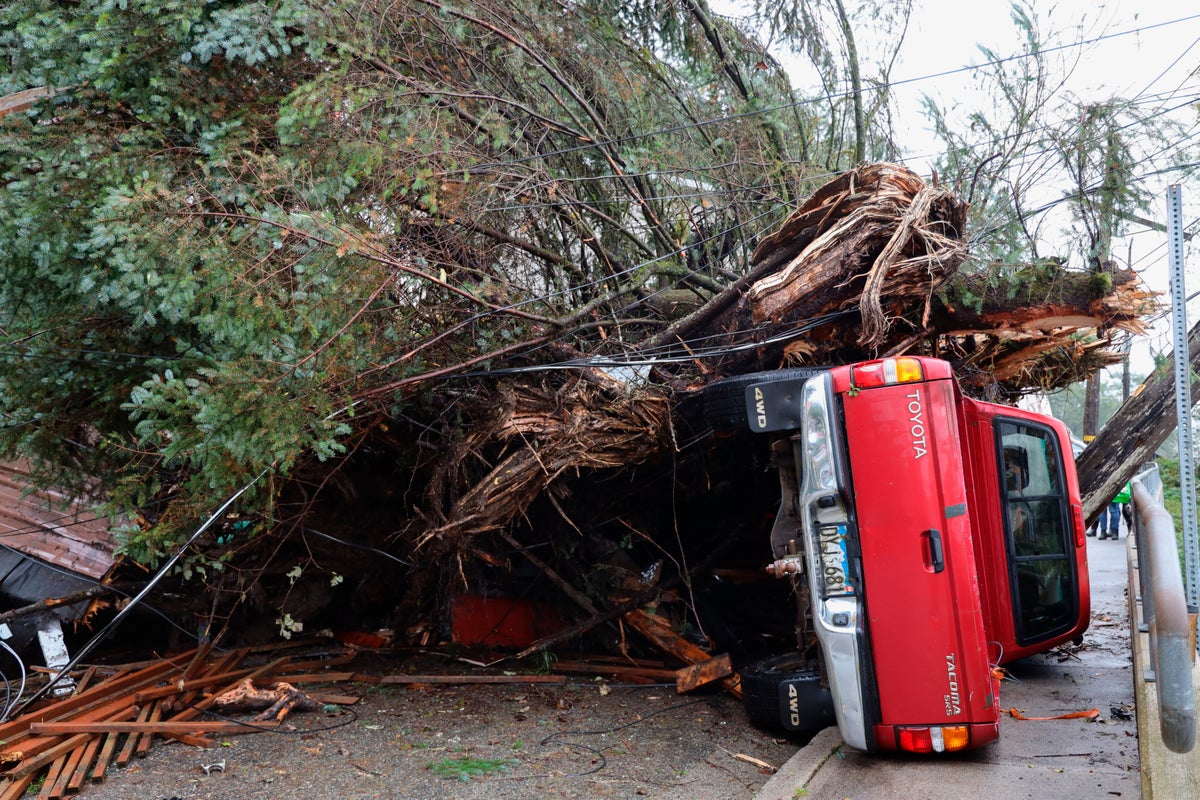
<point>831,543</point>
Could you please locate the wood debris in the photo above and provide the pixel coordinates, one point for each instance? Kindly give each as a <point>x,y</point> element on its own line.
<point>110,720</point>
<point>663,637</point>
<point>275,702</point>
<point>118,712</point>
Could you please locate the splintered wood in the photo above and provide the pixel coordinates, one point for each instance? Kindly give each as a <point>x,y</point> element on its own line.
<point>109,721</point>
<point>75,740</point>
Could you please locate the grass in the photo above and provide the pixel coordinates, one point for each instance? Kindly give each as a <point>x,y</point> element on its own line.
<point>1168,471</point>
<point>466,768</point>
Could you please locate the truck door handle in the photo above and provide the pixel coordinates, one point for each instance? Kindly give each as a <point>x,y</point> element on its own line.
<point>933,544</point>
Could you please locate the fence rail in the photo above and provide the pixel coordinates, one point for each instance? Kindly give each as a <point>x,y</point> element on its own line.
<point>1164,613</point>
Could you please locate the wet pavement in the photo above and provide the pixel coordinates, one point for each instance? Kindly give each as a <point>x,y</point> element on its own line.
<point>1064,758</point>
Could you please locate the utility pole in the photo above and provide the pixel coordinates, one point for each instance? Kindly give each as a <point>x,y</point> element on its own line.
<point>1101,253</point>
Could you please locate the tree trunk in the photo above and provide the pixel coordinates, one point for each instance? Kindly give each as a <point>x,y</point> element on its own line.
<point>1091,407</point>
<point>1135,432</point>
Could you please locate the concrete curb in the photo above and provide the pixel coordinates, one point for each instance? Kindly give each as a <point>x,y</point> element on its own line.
<point>1165,774</point>
<point>800,768</point>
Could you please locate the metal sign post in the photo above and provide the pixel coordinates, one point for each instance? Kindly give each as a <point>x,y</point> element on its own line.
<point>1183,395</point>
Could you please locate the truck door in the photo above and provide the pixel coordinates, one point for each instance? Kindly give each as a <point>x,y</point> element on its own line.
<point>1039,534</point>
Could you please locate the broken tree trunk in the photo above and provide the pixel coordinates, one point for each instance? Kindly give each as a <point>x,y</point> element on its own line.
<point>1133,434</point>
<point>867,247</point>
<point>869,266</point>
<point>277,701</point>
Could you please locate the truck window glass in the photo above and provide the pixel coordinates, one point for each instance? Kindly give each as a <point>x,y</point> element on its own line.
<point>1036,517</point>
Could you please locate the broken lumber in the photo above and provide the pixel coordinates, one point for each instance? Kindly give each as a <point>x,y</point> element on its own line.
<point>149,727</point>
<point>74,740</point>
<point>703,673</point>
<point>667,640</point>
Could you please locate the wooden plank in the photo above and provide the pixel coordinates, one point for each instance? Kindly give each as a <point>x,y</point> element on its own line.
<point>126,752</point>
<point>471,679</point>
<point>143,745</point>
<point>318,663</point>
<point>50,777</point>
<point>35,763</point>
<point>80,774</point>
<point>319,677</point>
<point>14,789</point>
<point>105,757</point>
<point>327,699</point>
<point>590,668</point>
<point>150,726</point>
<point>666,639</point>
<point>610,658</point>
<point>702,674</point>
<point>85,680</point>
<point>199,661</point>
<point>58,786</point>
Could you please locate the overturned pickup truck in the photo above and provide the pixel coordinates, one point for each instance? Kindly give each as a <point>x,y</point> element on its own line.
<point>929,537</point>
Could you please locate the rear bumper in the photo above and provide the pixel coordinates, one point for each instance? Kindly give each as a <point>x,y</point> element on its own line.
<point>838,629</point>
<point>839,621</point>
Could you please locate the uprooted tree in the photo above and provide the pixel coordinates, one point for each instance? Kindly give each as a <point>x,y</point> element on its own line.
<point>441,280</point>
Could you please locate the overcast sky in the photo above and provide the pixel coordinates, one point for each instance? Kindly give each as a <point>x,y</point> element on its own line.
<point>1134,50</point>
<point>1148,50</point>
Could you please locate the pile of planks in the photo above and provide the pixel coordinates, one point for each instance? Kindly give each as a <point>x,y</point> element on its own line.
<point>116,713</point>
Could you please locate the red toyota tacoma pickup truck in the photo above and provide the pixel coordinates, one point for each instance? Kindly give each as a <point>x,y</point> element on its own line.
<point>930,537</point>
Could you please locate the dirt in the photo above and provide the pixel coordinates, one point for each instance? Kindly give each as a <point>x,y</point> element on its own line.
<point>585,739</point>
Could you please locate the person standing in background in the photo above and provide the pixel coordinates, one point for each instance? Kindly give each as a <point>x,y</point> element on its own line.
<point>1110,518</point>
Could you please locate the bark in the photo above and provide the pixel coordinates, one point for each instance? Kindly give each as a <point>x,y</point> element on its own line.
<point>1133,434</point>
<point>1091,407</point>
<point>277,701</point>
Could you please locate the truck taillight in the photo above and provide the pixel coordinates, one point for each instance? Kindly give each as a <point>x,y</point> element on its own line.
<point>1077,523</point>
<point>933,739</point>
<point>887,371</point>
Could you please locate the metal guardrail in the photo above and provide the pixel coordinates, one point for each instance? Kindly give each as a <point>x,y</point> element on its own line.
<point>1164,613</point>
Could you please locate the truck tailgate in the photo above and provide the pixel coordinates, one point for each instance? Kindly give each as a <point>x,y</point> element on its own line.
<point>920,584</point>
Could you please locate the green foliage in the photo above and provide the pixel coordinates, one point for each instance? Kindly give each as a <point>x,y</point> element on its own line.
<point>1168,471</point>
<point>465,768</point>
<point>236,233</point>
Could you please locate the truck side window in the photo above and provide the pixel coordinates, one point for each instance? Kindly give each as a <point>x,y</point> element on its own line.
<point>1036,520</point>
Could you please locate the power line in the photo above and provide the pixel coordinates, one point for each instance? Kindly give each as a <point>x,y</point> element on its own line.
<point>887,86</point>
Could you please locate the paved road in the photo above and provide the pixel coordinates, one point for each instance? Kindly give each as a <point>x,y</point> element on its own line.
<point>1061,758</point>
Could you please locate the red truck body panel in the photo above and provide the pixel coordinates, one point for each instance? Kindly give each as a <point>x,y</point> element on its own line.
<point>919,573</point>
<point>940,536</point>
<point>1000,580</point>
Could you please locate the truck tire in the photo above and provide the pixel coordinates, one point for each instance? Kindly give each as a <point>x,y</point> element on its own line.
<point>783,693</point>
<point>725,400</point>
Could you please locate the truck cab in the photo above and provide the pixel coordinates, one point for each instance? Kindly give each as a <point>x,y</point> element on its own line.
<point>930,538</point>
<point>1034,557</point>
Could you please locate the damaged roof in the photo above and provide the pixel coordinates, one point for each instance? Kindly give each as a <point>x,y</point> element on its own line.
<point>52,527</point>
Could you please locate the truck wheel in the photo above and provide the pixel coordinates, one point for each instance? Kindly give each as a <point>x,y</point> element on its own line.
<point>783,693</point>
<point>725,400</point>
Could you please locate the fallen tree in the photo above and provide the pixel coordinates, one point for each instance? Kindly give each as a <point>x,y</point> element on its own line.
<point>1134,433</point>
<point>584,472</point>
<point>867,265</point>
